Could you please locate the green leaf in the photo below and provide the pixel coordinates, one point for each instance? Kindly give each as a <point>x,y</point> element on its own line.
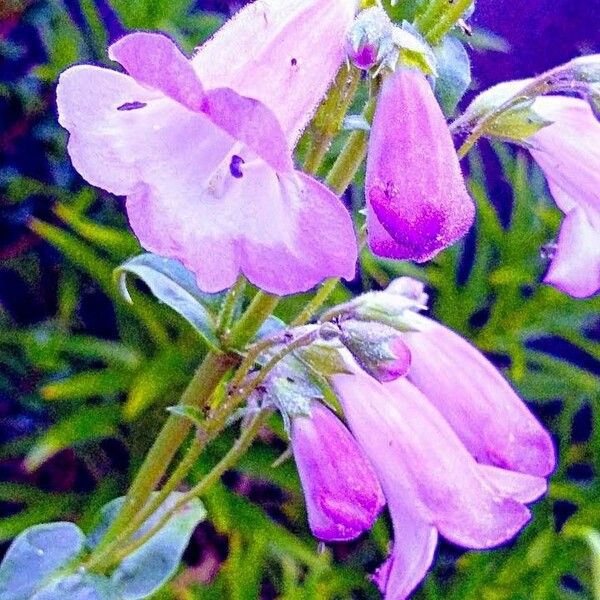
<point>156,561</point>
<point>80,586</point>
<point>454,73</point>
<point>35,555</point>
<point>86,424</point>
<point>517,124</point>
<point>88,384</point>
<point>173,284</point>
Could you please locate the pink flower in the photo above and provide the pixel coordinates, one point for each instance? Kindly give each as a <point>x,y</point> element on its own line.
<point>568,151</point>
<point>417,203</point>
<point>456,453</point>
<point>208,171</point>
<point>343,496</point>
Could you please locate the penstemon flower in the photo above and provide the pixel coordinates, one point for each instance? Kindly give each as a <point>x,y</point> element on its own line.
<point>202,150</point>
<point>417,203</point>
<point>455,450</point>
<point>568,151</point>
<point>343,496</point>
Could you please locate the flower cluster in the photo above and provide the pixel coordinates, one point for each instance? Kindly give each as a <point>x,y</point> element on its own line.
<point>203,150</point>
<point>446,442</point>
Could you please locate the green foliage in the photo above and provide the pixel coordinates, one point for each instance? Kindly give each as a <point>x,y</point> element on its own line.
<point>89,388</point>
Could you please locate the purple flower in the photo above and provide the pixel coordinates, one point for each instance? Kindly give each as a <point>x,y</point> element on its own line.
<point>207,167</point>
<point>568,151</point>
<point>283,53</point>
<point>484,411</point>
<point>379,349</point>
<point>417,203</point>
<point>456,452</point>
<point>343,496</point>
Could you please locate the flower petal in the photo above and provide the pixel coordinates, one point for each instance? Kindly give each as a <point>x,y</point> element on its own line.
<point>154,60</point>
<point>252,123</point>
<point>284,53</point>
<point>411,555</point>
<point>520,486</point>
<point>321,241</point>
<point>489,418</point>
<point>417,455</point>
<point>343,496</point>
<point>414,187</point>
<point>568,150</point>
<point>575,267</point>
<point>113,147</point>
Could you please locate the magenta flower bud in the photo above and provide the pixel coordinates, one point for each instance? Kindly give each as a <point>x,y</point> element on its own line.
<point>343,496</point>
<point>568,151</point>
<point>370,38</point>
<point>417,203</point>
<point>377,348</point>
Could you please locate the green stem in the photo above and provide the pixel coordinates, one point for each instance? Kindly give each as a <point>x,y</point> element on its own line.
<point>200,389</point>
<point>330,115</point>
<point>316,302</point>
<point>303,340</point>
<point>246,328</point>
<point>239,448</point>
<point>552,80</point>
<point>205,380</point>
<point>228,308</point>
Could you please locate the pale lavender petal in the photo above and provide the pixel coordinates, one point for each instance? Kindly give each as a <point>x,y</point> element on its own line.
<point>321,243</point>
<point>417,455</point>
<point>214,259</point>
<point>252,123</point>
<point>575,267</point>
<point>111,146</point>
<point>343,496</point>
<point>154,60</point>
<point>284,53</point>
<point>200,195</point>
<point>417,203</point>
<point>520,486</point>
<point>411,554</point>
<point>489,418</point>
<point>568,150</point>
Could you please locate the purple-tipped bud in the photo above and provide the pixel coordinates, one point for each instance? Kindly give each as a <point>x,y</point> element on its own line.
<point>343,496</point>
<point>370,38</point>
<point>377,348</point>
<point>417,203</point>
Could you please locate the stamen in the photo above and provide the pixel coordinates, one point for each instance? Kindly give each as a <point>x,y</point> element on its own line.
<point>132,105</point>
<point>235,166</point>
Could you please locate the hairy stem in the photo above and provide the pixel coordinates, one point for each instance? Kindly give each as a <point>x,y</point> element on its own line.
<point>330,115</point>
<point>448,18</point>
<point>316,302</point>
<point>200,389</point>
<point>235,453</point>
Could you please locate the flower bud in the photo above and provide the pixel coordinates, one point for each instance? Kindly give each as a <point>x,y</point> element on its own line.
<point>374,41</point>
<point>370,38</point>
<point>343,496</point>
<point>377,348</point>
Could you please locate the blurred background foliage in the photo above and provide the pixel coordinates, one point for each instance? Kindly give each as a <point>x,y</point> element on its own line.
<point>85,377</point>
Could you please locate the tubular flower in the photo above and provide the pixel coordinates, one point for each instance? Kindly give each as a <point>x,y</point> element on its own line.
<point>417,203</point>
<point>208,173</point>
<point>568,151</point>
<point>343,496</point>
<point>456,454</point>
